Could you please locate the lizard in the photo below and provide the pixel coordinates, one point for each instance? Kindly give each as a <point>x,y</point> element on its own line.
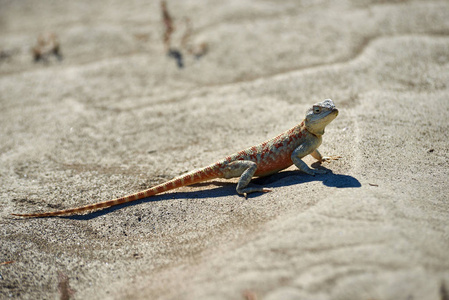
<point>264,159</point>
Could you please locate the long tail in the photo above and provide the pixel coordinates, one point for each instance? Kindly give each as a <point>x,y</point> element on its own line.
<point>193,177</point>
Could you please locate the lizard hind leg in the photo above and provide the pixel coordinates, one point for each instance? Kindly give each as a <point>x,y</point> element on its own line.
<point>246,170</point>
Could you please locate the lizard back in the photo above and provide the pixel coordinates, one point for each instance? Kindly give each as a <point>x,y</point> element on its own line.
<point>272,155</point>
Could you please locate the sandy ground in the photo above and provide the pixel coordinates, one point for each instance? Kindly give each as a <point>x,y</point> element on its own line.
<point>117,115</point>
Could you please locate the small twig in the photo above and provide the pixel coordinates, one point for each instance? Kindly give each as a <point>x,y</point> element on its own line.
<point>7,262</point>
<point>169,27</point>
<point>168,23</point>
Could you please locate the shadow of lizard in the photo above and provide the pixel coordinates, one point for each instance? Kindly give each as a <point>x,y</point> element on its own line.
<point>226,189</point>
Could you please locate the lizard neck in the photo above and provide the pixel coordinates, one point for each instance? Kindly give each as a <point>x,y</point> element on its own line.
<point>317,134</point>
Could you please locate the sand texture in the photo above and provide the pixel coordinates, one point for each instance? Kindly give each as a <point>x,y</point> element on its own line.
<point>116,115</point>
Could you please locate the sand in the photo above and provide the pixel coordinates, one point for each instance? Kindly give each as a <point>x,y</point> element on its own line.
<point>117,115</point>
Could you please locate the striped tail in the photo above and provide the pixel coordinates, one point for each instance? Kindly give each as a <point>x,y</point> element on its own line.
<point>193,177</point>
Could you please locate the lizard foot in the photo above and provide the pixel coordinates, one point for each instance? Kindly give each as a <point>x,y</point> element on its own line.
<point>262,190</point>
<point>328,159</point>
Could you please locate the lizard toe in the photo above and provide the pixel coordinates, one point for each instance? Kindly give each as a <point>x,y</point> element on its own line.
<point>328,159</point>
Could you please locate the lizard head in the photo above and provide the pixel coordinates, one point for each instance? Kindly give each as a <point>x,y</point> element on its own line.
<point>319,115</point>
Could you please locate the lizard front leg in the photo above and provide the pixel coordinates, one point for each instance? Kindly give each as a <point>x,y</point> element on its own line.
<point>246,170</point>
<point>299,153</point>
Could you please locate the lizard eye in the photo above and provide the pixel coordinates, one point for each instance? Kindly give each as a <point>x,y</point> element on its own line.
<point>316,109</point>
